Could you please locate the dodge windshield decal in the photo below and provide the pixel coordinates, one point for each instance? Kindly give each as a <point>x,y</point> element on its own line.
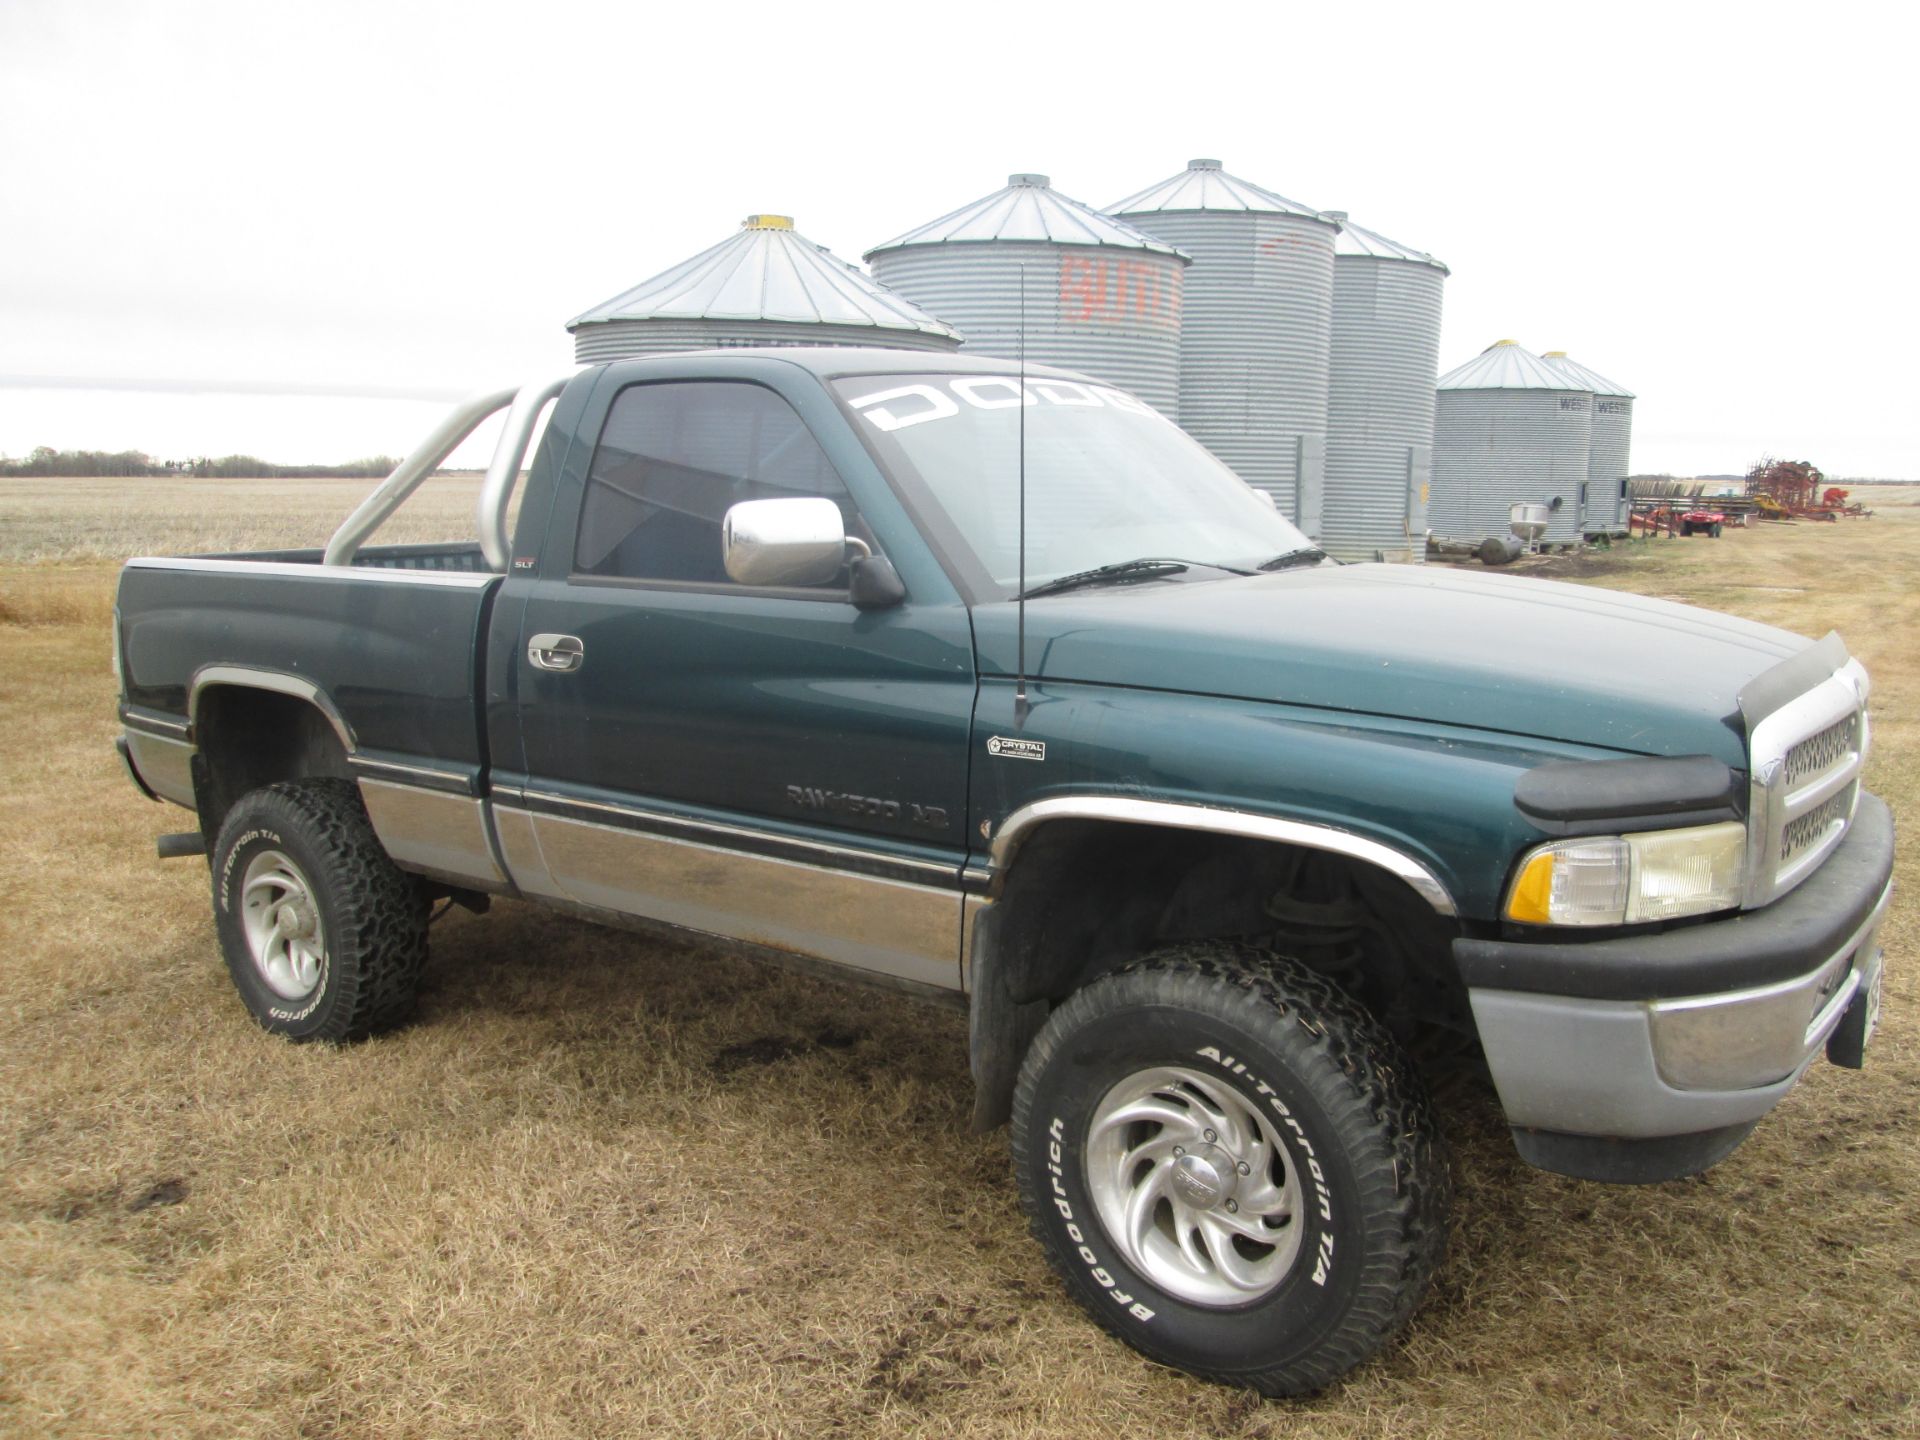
<point>899,406</point>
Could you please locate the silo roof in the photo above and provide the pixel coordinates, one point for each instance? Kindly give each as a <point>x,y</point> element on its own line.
<point>1591,379</point>
<point>1029,209</point>
<point>767,271</point>
<point>1203,185</point>
<point>1358,240</point>
<point>1507,365</point>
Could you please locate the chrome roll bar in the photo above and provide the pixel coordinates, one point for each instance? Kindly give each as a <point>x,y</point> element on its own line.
<point>460,422</point>
<point>490,513</point>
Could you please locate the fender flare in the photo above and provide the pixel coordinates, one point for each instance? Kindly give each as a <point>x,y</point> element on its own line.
<point>279,682</point>
<point>1001,1027</point>
<point>1018,827</point>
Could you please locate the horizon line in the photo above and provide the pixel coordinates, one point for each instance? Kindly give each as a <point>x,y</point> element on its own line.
<point>323,389</point>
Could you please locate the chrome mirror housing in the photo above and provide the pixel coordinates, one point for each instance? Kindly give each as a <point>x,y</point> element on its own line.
<point>798,541</point>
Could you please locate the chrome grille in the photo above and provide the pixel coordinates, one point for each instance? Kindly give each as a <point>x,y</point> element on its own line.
<point>1805,831</point>
<point>1806,758</point>
<point>1819,753</point>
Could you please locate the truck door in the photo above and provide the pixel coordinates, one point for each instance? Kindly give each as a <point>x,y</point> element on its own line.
<point>774,765</point>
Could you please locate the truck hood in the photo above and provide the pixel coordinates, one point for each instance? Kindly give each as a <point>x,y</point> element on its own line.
<point>1490,652</point>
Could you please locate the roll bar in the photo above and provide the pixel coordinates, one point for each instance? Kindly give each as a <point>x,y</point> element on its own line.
<point>491,512</point>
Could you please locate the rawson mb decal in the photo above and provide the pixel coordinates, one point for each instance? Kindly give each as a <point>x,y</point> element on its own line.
<point>1323,1257</point>
<point>917,404</point>
<point>812,797</point>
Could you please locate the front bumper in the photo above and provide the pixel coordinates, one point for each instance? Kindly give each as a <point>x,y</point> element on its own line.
<point>1650,1057</point>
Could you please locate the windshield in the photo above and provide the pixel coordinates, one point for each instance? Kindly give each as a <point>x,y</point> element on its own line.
<point>1109,479</point>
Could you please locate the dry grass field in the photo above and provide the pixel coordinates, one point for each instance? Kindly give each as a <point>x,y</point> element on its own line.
<point>60,519</point>
<point>610,1186</point>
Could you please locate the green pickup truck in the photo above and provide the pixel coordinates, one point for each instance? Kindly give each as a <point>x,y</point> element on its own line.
<point>995,687</point>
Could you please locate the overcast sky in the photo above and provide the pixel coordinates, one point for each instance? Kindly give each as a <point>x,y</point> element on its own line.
<point>320,205</point>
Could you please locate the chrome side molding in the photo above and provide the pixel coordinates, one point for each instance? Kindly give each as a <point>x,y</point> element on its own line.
<point>805,851</point>
<point>882,925</point>
<point>433,832</point>
<point>1171,815</point>
<point>160,765</point>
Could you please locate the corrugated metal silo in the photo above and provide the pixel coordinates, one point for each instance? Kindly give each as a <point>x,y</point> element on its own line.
<point>1607,459</point>
<point>1508,427</point>
<point>1256,327</point>
<point>765,285</point>
<point>1380,396</point>
<point>1100,296</point>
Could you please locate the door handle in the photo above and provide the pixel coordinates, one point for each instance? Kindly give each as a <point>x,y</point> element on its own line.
<point>555,652</point>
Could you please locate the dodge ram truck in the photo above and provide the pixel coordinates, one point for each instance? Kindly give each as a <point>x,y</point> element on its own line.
<point>992,685</point>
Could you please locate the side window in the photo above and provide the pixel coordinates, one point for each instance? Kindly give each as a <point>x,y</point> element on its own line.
<point>673,458</point>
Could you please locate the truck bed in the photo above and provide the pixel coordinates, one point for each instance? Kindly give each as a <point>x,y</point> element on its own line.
<point>393,645</point>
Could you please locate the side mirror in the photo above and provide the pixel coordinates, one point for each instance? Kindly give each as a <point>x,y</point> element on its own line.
<point>799,541</point>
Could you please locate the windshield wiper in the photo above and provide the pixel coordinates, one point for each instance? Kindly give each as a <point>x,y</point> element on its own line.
<point>1143,569</point>
<point>1312,555</point>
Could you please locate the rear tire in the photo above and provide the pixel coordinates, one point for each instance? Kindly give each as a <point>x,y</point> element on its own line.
<point>1232,1166</point>
<point>323,934</point>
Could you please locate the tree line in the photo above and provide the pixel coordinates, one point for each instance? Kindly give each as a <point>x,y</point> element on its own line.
<point>47,461</point>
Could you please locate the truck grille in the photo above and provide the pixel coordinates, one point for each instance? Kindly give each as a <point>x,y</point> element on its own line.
<point>1803,832</point>
<point>1806,781</point>
<point>1818,754</point>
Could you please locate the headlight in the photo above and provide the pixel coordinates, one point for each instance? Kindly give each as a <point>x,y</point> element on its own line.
<point>1631,879</point>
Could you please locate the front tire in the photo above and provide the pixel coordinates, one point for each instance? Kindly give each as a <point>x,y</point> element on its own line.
<point>323,934</point>
<point>1232,1166</point>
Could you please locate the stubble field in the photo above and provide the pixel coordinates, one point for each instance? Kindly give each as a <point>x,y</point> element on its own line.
<point>607,1185</point>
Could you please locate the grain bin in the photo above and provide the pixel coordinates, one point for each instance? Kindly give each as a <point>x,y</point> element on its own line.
<point>1508,427</point>
<point>1256,327</point>
<point>1607,467</point>
<point>1380,396</point>
<point>1100,296</point>
<point>765,285</point>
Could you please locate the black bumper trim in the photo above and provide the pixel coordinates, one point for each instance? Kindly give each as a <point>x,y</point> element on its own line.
<point>1629,1162</point>
<point>1795,934</point>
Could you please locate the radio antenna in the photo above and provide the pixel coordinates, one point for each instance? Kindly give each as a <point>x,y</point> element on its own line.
<point>1020,706</point>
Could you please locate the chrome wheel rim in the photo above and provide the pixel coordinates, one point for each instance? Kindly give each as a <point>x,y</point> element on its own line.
<point>1194,1186</point>
<point>281,920</point>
